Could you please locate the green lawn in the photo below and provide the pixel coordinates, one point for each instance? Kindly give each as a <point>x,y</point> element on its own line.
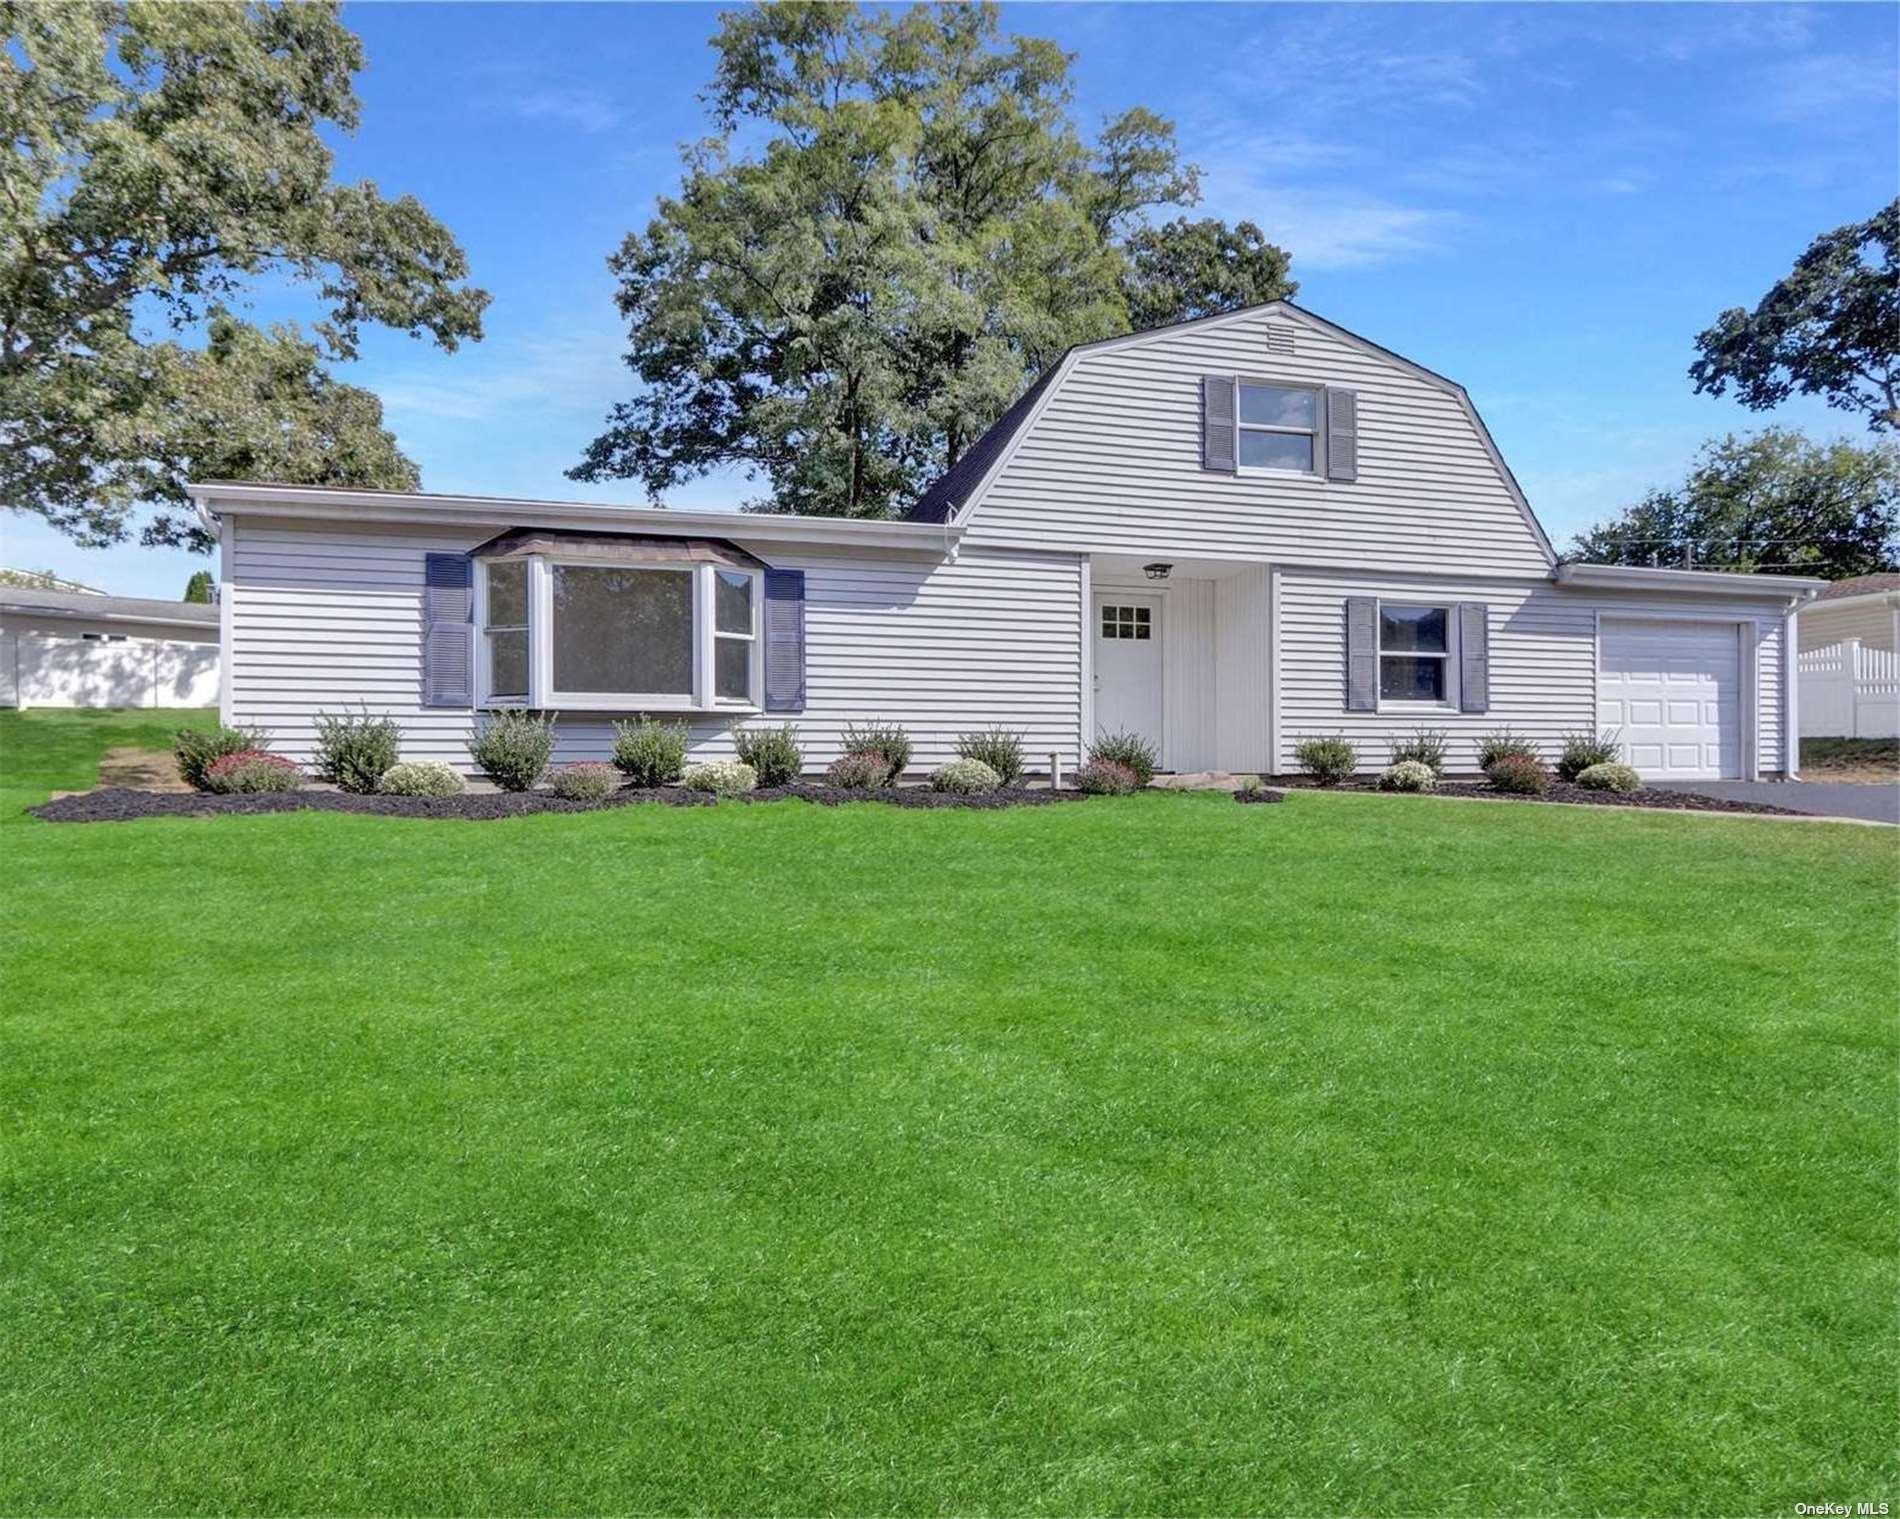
<point>1361,1154</point>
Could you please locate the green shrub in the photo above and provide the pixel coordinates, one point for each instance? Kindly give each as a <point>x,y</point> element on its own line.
<point>1524,774</point>
<point>1502,743</point>
<point>353,752</point>
<point>998,748</point>
<point>195,748</point>
<point>1250,785</point>
<point>1409,775</point>
<point>1582,750</point>
<point>586,781</point>
<point>514,748</point>
<point>857,772</point>
<point>965,777</point>
<point>888,741</point>
<point>250,770</point>
<point>772,752</point>
<point>1105,777</point>
<point>721,777</point>
<point>1129,750</point>
<point>650,753</point>
<point>1610,777</point>
<point>1328,760</point>
<point>1424,747</point>
<point>422,778</point>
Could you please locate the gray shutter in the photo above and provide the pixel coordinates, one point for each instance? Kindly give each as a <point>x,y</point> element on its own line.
<point>1217,422</point>
<point>1362,654</point>
<point>784,640</point>
<point>1342,435</point>
<point>1474,657</point>
<point>448,630</point>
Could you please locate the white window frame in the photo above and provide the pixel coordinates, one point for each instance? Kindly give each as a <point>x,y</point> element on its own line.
<point>1317,432</point>
<point>542,693</point>
<point>1449,703</point>
<point>484,651</point>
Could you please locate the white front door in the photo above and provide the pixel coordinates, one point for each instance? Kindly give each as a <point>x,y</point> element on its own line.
<point>1128,665</point>
<point>1675,689</point>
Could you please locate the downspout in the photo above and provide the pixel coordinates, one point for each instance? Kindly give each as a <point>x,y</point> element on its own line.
<point>1791,689</point>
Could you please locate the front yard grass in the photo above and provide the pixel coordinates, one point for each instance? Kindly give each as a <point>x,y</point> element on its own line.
<point>1355,1154</point>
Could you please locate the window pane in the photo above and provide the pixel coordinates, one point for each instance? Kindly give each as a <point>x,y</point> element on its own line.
<point>732,668</point>
<point>508,594</point>
<point>508,663</point>
<point>623,630</point>
<point>1407,630</point>
<point>1276,450</point>
<point>1406,678</point>
<point>732,600</point>
<point>1276,406</point>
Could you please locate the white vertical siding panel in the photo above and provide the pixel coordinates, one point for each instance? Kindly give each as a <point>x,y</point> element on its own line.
<point>1190,675</point>
<point>325,616</point>
<point>1242,634</point>
<point>1114,465</point>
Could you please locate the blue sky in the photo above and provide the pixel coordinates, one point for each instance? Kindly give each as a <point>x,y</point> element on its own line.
<point>1546,203</point>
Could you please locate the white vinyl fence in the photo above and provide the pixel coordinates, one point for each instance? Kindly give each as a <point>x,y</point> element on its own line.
<point>1848,691</point>
<point>47,670</point>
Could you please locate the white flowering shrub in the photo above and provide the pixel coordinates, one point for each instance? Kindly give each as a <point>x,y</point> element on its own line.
<point>585,781</point>
<point>721,777</point>
<point>1610,777</point>
<point>1409,775</point>
<point>965,777</point>
<point>421,778</point>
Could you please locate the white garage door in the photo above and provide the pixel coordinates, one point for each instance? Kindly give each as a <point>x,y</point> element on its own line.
<point>1675,689</point>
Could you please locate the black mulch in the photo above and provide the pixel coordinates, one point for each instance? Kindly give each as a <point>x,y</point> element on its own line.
<point>117,805</point>
<point>1560,791</point>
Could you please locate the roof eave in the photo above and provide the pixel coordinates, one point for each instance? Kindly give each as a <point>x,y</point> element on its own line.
<point>1623,577</point>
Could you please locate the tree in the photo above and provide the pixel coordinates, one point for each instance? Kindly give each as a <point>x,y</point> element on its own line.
<point>917,230</point>
<point>1773,501</point>
<point>198,589</point>
<point>163,157</point>
<point>1831,328</point>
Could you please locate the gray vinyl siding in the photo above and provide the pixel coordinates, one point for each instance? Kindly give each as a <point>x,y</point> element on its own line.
<point>1114,465</point>
<point>1543,662</point>
<point>325,616</point>
<point>1821,626</point>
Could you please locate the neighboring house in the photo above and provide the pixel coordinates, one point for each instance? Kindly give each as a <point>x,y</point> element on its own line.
<point>1849,642</point>
<point>1229,535</point>
<point>83,649</point>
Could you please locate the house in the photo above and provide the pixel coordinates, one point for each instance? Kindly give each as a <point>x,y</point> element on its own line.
<point>1848,641</point>
<point>1229,535</point>
<point>84,649</point>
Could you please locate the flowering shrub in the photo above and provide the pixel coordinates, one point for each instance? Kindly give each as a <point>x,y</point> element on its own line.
<point>513,749</point>
<point>888,741</point>
<point>857,772</point>
<point>1327,760</point>
<point>1100,777</point>
<point>355,751</point>
<point>421,778</point>
<point>772,752</point>
<point>1502,743</point>
<point>248,770</point>
<point>1525,774</point>
<point>721,777</point>
<point>587,781</point>
<point>1129,750</point>
<point>1582,750</point>
<point>1424,747</point>
<point>965,777</point>
<point>195,748</point>
<point>1610,777</point>
<point>998,748</point>
<point>1409,775</point>
<point>650,753</point>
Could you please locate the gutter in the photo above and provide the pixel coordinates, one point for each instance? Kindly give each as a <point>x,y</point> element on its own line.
<point>1619,577</point>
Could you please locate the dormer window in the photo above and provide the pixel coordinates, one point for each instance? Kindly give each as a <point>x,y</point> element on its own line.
<point>1279,427</point>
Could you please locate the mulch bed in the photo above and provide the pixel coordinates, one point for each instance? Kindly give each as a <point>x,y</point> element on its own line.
<point>119,805</point>
<point>1560,791</point>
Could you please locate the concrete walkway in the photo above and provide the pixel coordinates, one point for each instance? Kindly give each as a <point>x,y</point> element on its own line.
<point>1879,803</point>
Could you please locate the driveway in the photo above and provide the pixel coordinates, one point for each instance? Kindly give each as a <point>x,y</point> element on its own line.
<point>1878,803</point>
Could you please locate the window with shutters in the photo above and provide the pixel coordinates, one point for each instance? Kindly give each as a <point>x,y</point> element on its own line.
<point>1415,653</point>
<point>1279,427</point>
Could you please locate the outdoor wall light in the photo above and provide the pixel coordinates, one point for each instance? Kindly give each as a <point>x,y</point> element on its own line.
<point>1156,571</point>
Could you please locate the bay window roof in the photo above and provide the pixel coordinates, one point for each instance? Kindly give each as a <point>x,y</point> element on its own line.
<point>615,548</point>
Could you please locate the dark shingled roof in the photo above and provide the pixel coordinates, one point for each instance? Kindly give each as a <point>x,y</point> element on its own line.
<point>1860,585</point>
<point>949,491</point>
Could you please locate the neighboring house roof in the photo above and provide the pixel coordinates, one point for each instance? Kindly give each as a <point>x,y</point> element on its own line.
<point>1861,585</point>
<point>87,606</point>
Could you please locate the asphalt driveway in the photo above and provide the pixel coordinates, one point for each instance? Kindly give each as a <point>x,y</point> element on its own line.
<point>1879,803</point>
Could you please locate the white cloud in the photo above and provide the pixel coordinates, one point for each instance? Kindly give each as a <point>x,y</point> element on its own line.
<point>583,109</point>
<point>1329,228</point>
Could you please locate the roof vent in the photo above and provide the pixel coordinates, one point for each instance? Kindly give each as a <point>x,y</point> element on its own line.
<point>1279,337</point>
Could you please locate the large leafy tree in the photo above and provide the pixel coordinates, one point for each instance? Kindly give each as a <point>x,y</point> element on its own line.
<point>894,225</point>
<point>1831,328</point>
<point>1771,501</point>
<point>163,158</point>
